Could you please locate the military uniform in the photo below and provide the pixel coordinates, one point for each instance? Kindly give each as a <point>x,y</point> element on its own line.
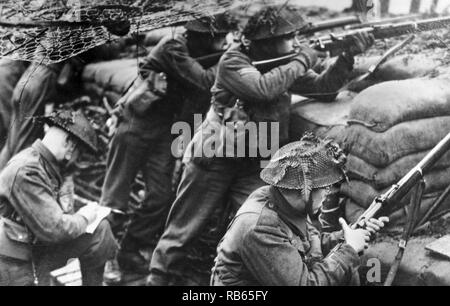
<point>39,230</point>
<point>271,241</point>
<point>270,244</point>
<point>209,182</point>
<point>144,140</point>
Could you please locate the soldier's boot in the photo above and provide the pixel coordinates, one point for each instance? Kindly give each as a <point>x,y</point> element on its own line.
<point>92,277</point>
<point>112,275</point>
<point>158,279</point>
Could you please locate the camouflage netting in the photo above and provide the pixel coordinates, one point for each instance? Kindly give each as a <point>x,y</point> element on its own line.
<point>51,31</point>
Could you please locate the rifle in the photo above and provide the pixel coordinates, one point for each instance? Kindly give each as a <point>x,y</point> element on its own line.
<point>311,28</point>
<point>383,21</point>
<point>210,59</point>
<point>400,189</point>
<point>336,44</point>
<point>414,178</point>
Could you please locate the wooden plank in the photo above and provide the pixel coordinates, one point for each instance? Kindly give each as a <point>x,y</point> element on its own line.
<point>440,247</point>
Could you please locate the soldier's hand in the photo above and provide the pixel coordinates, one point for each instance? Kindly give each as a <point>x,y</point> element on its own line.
<point>112,124</point>
<point>89,212</point>
<point>359,42</point>
<point>358,239</point>
<point>375,225</point>
<point>307,56</point>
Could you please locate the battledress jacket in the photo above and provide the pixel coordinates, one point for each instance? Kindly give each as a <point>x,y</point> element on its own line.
<point>265,95</point>
<point>30,194</point>
<point>270,244</point>
<point>189,83</point>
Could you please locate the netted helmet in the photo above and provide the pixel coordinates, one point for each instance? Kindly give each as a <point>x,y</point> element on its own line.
<point>217,24</point>
<point>77,125</point>
<point>274,21</point>
<point>305,165</point>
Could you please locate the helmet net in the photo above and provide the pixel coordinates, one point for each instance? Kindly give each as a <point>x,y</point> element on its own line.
<point>50,31</point>
<point>306,165</point>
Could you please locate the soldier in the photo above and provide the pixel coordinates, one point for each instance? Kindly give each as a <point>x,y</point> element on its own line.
<point>242,92</point>
<point>271,241</point>
<point>41,85</point>
<point>143,137</point>
<point>36,88</point>
<point>39,230</point>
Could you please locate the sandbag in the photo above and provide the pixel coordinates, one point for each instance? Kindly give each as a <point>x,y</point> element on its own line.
<point>154,36</point>
<point>399,67</point>
<point>382,149</point>
<point>364,193</point>
<point>382,106</point>
<point>384,177</point>
<point>115,76</point>
<point>323,113</point>
<point>397,216</point>
<point>94,90</point>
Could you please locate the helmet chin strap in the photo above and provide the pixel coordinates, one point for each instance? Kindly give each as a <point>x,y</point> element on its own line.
<point>310,202</point>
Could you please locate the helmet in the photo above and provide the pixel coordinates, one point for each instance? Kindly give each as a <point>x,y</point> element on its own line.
<point>216,24</point>
<point>76,124</point>
<point>274,21</point>
<point>308,164</point>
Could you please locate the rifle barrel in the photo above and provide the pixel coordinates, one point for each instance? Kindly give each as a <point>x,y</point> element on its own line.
<point>329,24</point>
<point>383,21</point>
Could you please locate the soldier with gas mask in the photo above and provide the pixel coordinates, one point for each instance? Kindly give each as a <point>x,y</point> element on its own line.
<point>271,240</point>
<point>39,228</point>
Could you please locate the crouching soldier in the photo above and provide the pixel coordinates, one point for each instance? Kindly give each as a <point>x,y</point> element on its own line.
<point>39,230</point>
<point>271,240</point>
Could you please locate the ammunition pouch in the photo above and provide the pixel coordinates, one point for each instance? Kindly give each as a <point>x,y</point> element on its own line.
<point>15,240</point>
<point>145,92</point>
<point>233,133</point>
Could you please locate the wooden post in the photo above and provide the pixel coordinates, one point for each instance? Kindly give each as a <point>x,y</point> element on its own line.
<point>415,6</point>
<point>434,6</point>
<point>384,7</point>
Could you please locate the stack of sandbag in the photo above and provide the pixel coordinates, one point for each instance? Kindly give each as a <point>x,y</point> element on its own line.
<point>390,128</point>
<point>109,79</point>
<point>309,114</point>
<point>402,67</point>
